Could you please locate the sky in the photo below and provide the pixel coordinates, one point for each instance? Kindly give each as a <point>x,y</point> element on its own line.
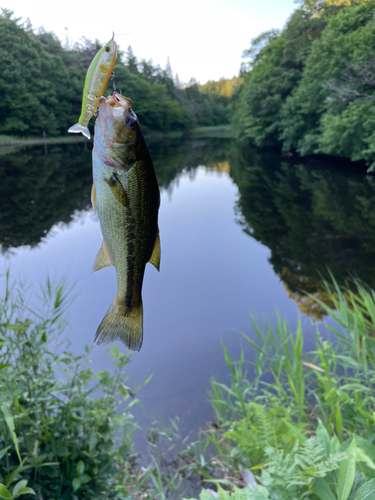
<point>203,39</point>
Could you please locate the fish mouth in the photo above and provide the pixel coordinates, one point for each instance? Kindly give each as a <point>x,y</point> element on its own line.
<point>118,100</point>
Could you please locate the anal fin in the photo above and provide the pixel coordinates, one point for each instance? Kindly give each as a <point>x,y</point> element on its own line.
<point>102,259</point>
<point>156,253</point>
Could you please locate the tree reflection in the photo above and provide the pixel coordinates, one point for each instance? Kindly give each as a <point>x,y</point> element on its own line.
<point>315,217</point>
<point>39,190</point>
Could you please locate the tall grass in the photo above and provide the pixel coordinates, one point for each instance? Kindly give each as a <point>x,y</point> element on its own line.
<point>65,433</point>
<point>302,425</point>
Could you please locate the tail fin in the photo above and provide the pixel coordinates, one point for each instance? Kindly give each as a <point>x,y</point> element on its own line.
<point>121,324</point>
<point>78,128</point>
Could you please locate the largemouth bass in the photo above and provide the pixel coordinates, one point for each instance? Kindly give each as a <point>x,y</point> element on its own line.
<point>95,83</point>
<point>126,196</point>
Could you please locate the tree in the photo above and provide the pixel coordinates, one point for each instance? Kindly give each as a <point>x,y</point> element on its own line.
<point>131,61</point>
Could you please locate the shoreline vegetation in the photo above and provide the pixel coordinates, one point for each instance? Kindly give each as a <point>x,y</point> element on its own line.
<point>207,131</point>
<point>292,424</point>
<point>310,87</point>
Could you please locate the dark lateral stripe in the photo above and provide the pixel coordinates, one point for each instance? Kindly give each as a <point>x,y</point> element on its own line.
<point>130,247</point>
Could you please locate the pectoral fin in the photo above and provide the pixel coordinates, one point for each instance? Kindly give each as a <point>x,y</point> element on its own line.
<point>93,196</point>
<point>156,254</point>
<point>102,259</point>
<point>118,190</point>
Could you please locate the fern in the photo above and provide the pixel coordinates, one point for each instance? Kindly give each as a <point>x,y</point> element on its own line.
<point>264,426</point>
<point>290,475</point>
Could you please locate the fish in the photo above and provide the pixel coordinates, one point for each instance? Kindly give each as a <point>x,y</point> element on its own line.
<point>126,197</point>
<point>96,81</point>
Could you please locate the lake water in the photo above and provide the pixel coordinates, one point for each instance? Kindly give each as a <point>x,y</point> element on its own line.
<point>242,232</point>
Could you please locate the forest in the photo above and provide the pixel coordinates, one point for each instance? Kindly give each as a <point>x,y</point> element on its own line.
<point>310,88</point>
<point>41,86</point>
<point>307,89</point>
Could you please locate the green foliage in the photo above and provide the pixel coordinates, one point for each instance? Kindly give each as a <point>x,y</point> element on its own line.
<point>262,428</point>
<point>304,421</point>
<point>40,79</point>
<point>207,104</point>
<point>333,94</point>
<point>61,432</point>
<point>310,88</point>
<point>237,494</point>
<point>50,81</point>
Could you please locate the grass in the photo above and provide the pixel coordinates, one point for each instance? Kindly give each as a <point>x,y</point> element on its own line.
<point>297,424</point>
<point>65,432</point>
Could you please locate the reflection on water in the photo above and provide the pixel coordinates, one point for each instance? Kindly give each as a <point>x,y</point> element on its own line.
<point>312,216</point>
<point>39,190</point>
<point>315,217</point>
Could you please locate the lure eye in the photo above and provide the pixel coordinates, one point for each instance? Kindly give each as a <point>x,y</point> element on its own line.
<point>107,49</point>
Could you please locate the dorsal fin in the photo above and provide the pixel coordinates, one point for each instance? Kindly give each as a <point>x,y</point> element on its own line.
<point>156,253</point>
<point>102,259</point>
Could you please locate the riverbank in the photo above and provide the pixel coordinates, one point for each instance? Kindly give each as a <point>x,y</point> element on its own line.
<point>293,424</point>
<point>217,130</point>
<point>11,141</point>
<point>212,131</point>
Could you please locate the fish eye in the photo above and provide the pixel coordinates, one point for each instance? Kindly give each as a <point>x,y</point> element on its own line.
<point>107,49</point>
<point>130,122</point>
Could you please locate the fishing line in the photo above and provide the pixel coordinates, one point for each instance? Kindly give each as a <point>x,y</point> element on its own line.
<point>113,27</point>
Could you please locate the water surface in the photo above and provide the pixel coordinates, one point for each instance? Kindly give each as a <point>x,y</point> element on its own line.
<point>242,232</point>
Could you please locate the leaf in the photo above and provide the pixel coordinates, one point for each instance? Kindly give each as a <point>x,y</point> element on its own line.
<point>26,491</point>
<point>10,423</point>
<point>80,467</point>
<point>363,457</point>
<point>21,484</point>
<point>4,493</point>
<point>3,452</point>
<point>62,451</point>
<point>322,490</point>
<point>346,474</point>
<point>366,491</point>
<point>93,441</point>
<point>366,446</point>
<point>84,478</point>
<point>323,439</point>
<point>12,475</point>
<point>339,422</point>
<point>76,483</point>
<point>295,432</point>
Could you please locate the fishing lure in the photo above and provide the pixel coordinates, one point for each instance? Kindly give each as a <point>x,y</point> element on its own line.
<point>96,81</point>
